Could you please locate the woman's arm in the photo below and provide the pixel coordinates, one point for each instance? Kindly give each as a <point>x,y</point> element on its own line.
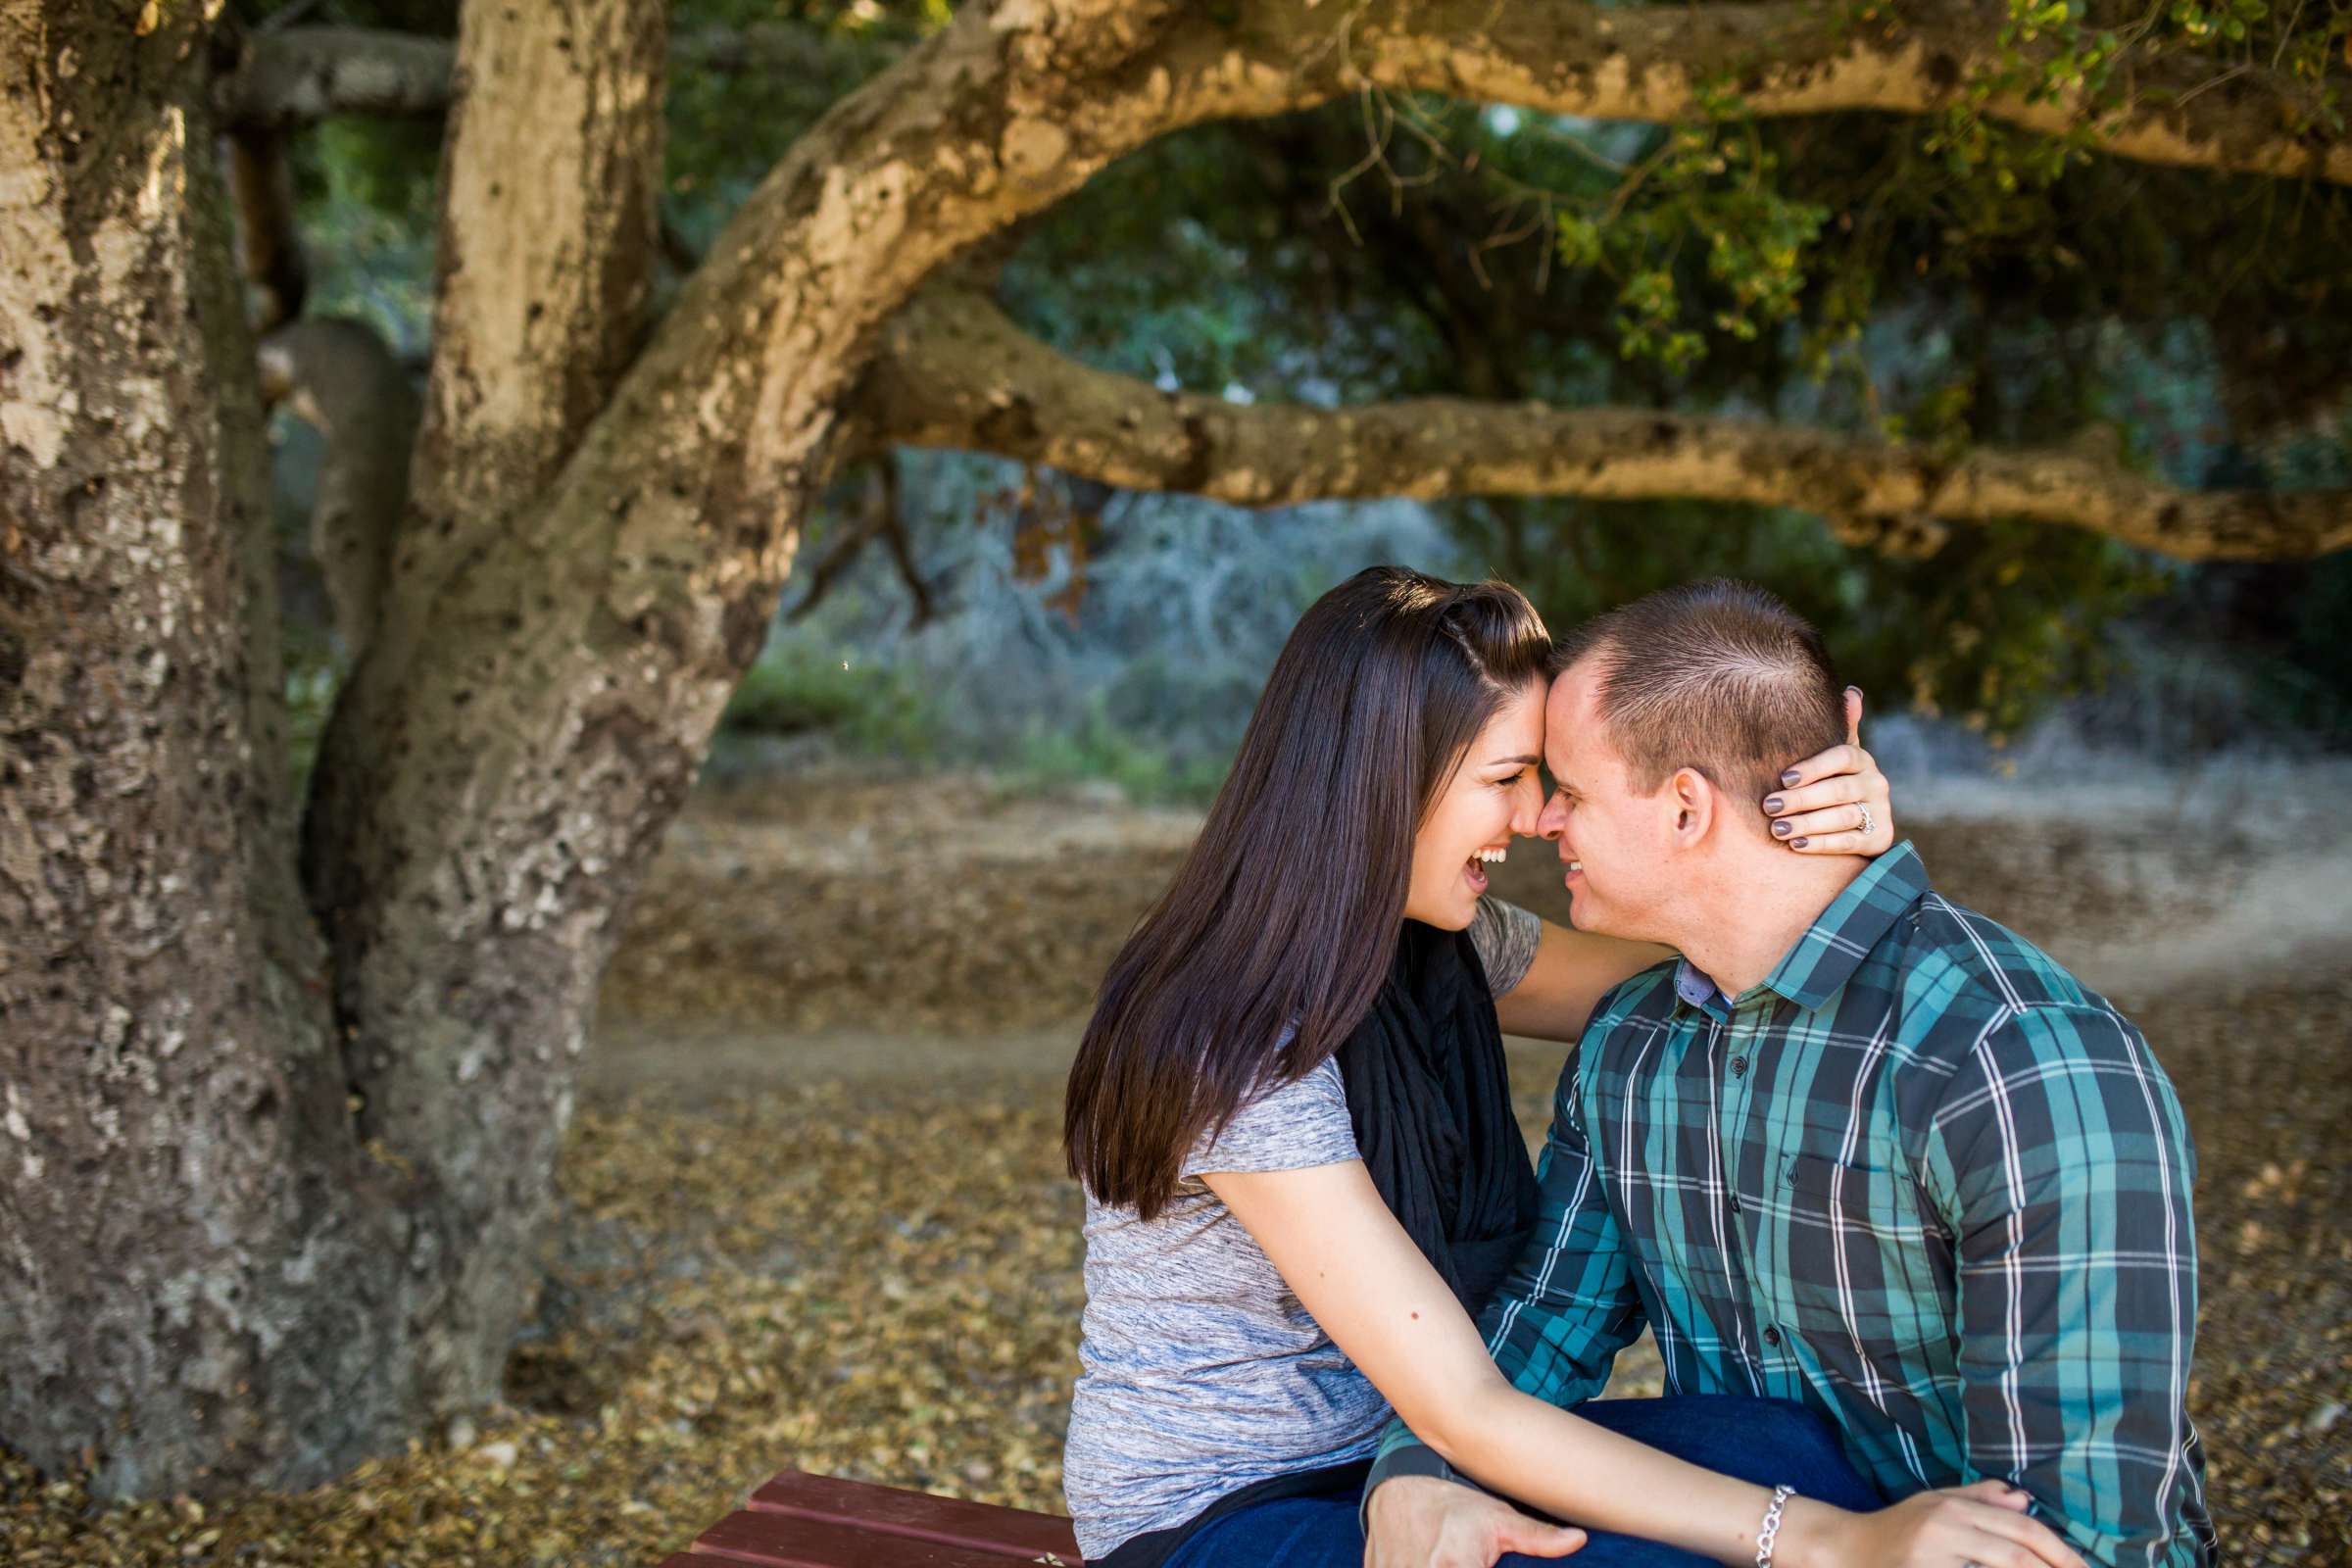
<point>1566,979</point>
<point>1367,1285</point>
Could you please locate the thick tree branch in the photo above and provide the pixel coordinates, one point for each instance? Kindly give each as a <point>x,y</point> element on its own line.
<point>1794,57</point>
<point>549,241</point>
<point>955,372</point>
<point>548,247</point>
<point>301,75</point>
<point>1786,57</point>
<point>297,76</point>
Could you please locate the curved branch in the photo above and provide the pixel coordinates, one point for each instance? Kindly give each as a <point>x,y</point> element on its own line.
<point>1786,57</point>
<point>954,372</point>
<point>1795,57</point>
<point>302,75</point>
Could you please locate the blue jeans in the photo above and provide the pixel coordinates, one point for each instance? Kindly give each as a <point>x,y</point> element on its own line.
<point>1768,1442</point>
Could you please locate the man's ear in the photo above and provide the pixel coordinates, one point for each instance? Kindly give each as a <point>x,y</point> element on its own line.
<point>1693,800</point>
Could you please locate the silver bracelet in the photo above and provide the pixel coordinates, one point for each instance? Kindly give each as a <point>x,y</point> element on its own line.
<point>1772,1525</point>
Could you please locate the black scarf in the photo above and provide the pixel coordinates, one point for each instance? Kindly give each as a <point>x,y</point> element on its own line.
<point>1430,1098</point>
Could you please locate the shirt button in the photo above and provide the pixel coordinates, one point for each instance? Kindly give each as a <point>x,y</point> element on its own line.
<point>1772,1336</point>
<point>1738,1066</point>
<point>1735,1202</point>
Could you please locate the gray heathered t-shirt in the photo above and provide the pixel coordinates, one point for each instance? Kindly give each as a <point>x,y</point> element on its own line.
<point>1202,1373</point>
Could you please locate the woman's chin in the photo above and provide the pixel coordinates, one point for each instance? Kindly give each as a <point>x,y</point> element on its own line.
<point>1452,914</point>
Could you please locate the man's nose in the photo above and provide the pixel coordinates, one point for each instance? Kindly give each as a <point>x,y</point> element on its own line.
<point>1527,808</point>
<point>1552,822</point>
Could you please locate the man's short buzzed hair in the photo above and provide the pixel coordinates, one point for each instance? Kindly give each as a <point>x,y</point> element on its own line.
<point>1716,675</point>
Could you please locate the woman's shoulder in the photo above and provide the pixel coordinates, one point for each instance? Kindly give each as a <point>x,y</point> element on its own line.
<point>1283,1126</point>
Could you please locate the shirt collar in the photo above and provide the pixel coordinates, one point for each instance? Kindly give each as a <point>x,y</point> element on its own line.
<point>1840,938</point>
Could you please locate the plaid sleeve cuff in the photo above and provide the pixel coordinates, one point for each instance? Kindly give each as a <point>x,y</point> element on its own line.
<point>1405,1459</point>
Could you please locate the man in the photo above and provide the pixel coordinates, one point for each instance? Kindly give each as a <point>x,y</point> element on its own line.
<point>1858,1147</point>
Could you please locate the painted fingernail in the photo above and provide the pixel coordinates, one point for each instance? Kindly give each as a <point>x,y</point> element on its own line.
<point>1773,803</point>
<point>1799,843</point>
<point>1789,778</point>
<point>1781,830</point>
<point>1856,690</point>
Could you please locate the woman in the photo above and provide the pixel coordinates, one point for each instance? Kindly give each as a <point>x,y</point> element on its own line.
<point>1323,989</point>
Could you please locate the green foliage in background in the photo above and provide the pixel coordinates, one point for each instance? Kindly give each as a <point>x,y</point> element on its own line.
<point>796,689</point>
<point>1125,756</point>
<point>1987,631</point>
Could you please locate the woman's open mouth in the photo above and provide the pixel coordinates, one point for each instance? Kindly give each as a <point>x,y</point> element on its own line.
<point>1473,871</point>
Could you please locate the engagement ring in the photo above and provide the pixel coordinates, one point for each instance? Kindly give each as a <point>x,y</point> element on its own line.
<point>1869,825</point>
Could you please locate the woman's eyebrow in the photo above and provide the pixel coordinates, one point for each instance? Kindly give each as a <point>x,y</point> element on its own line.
<point>1517,761</point>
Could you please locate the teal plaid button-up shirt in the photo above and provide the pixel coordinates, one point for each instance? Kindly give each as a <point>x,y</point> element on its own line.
<point>1918,1179</point>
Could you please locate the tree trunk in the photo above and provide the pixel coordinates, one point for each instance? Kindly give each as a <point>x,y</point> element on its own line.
<point>201,1271</point>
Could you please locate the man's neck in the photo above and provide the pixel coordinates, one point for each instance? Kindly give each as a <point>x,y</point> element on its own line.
<point>1747,916</point>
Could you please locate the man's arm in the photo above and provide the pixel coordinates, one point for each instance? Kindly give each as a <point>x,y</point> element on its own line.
<point>2061,1160</point>
<point>1567,1307</point>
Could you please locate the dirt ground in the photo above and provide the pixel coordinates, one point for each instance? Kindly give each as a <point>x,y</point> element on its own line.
<point>971,928</point>
<point>812,1214</point>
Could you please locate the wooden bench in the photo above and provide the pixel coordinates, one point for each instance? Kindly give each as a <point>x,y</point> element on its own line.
<point>803,1521</point>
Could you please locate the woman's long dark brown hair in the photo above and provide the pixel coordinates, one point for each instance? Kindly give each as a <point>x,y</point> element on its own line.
<point>1286,911</point>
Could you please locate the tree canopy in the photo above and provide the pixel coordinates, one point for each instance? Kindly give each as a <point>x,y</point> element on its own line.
<point>1960,326</point>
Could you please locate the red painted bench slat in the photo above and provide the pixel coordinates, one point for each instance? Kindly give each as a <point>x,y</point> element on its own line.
<point>798,1520</point>
<point>788,1540</point>
<point>950,1521</point>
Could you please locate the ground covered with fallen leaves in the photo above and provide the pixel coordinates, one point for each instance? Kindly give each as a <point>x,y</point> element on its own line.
<point>811,1213</point>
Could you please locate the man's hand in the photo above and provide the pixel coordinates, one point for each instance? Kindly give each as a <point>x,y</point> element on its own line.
<point>1424,1522</point>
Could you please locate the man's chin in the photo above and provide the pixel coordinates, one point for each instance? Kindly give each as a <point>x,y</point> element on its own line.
<point>1585,912</point>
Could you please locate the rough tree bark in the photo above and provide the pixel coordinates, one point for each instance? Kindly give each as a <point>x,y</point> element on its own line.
<point>463,953</point>
<point>196,1252</point>
<point>273,1172</point>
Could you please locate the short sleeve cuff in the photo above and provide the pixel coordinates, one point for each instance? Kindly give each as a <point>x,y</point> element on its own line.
<point>1506,937</point>
<point>1293,1127</point>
